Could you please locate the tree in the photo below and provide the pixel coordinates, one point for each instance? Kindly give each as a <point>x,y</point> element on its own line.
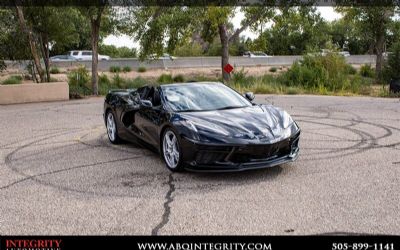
<point>102,19</point>
<point>94,14</point>
<point>294,31</point>
<point>33,43</point>
<point>13,42</point>
<point>45,29</point>
<point>218,18</point>
<point>374,23</point>
<point>166,27</point>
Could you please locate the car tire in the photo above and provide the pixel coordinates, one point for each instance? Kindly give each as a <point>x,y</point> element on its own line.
<point>111,126</point>
<point>171,150</point>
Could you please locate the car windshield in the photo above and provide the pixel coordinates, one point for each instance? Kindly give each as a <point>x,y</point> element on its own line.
<point>202,97</point>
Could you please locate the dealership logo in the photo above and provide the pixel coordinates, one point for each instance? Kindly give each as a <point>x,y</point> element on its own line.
<point>25,244</point>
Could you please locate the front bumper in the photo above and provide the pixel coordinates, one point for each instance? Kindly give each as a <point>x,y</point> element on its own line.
<point>230,158</point>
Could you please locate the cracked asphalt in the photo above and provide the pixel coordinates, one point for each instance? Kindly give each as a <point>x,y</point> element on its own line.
<point>60,175</point>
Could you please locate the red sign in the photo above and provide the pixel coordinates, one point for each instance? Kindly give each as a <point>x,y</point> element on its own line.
<point>228,68</point>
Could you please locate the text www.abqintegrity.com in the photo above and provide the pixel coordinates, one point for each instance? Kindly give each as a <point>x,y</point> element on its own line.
<point>204,246</point>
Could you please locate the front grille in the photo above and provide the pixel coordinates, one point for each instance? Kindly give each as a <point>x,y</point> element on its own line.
<point>208,157</point>
<point>248,153</point>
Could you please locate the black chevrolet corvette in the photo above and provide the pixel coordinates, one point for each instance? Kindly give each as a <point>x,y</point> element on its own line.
<point>202,126</point>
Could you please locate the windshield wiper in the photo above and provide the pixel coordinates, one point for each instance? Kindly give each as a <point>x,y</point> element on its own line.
<point>192,110</point>
<point>231,107</point>
<point>203,110</point>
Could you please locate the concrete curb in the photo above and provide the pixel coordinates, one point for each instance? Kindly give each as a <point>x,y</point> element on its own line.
<point>34,92</point>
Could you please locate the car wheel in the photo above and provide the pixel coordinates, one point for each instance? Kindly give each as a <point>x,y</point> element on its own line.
<point>171,151</point>
<point>112,131</point>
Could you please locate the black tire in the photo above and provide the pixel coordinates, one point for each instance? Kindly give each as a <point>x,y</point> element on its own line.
<point>170,159</point>
<point>112,133</point>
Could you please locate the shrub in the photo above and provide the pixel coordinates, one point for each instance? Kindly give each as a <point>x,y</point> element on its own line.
<point>3,66</point>
<point>126,69</point>
<point>54,70</point>
<point>178,78</point>
<point>104,84</point>
<point>240,78</point>
<point>367,71</point>
<point>142,69</point>
<point>15,79</point>
<point>351,70</point>
<point>52,79</point>
<point>165,78</point>
<point>78,80</point>
<point>273,70</point>
<point>319,73</point>
<point>136,83</point>
<point>118,81</point>
<point>392,68</point>
<point>292,91</point>
<point>115,69</point>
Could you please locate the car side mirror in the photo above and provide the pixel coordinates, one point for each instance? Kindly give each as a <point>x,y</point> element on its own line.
<point>145,104</point>
<point>249,96</point>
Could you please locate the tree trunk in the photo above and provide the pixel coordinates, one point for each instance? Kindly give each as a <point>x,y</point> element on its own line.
<point>32,43</point>
<point>223,35</point>
<point>45,51</point>
<point>95,29</point>
<point>380,43</point>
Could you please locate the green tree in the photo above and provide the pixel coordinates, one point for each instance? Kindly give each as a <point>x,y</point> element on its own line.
<point>294,31</point>
<point>373,23</point>
<point>101,19</point>
<point>166,27</point>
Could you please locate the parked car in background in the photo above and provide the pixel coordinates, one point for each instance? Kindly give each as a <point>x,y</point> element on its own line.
<point>386,54</point>
<point>344,53</point>
<point>86,55</point>
<point>164,56</point>
<point>255,54</point>
<point>62,58</point>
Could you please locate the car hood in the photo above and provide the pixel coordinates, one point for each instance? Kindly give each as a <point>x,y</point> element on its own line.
<point>254,124</point>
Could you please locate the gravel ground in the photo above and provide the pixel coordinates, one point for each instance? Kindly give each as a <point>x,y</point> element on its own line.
<point>60,175</point>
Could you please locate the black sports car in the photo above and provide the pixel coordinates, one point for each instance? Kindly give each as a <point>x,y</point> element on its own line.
<point>202,126</point>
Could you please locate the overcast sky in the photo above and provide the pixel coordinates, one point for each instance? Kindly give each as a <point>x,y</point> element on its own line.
<point>328,13</point>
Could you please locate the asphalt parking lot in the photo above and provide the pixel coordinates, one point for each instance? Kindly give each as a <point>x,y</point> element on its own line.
<point>60,175</point>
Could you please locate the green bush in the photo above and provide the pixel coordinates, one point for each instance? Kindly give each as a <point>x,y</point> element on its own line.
<point>136,83</point>
<point>351,70</point>
<point>319,73</point>
<point>79,80</point>
<point>142,69</point>
<point>392,66</point>
<point>273,70</point>
<point>15,79</point>
<point>240,77</point>
<point>3,66</point>
<point>126,69</point>
<point>367,71</point>
<point>115,69</point>
<point>114,52</point>
<point>178,78</point>
<point>165,78</point>
<point>118,81</point>
<point>104,84</point>
<point>54,70</point>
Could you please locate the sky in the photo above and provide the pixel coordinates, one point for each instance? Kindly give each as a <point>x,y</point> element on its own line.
<point>328,13</point>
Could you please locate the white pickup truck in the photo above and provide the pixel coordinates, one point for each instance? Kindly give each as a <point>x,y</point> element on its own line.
<point>86,55</point>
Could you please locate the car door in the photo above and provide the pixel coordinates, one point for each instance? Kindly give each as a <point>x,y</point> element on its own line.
<point>148,119</point>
